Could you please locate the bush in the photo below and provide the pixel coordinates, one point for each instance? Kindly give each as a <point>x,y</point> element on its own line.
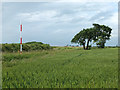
<point>29,46</point>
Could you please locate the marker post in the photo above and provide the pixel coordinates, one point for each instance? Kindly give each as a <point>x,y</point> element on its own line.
<point>20,38</point>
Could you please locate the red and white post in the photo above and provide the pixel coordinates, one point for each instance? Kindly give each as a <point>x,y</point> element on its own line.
<point>20,38</point>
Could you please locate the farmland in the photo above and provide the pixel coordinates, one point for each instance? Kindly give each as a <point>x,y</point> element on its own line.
<point>62,67</point>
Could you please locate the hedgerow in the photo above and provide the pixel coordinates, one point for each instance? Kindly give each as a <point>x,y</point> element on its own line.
<point>29,46</point>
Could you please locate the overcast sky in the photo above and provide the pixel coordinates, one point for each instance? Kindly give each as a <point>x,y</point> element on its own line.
<point>56,23</point>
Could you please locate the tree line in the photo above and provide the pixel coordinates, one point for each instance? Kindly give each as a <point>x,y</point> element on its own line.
<point>99,34</point>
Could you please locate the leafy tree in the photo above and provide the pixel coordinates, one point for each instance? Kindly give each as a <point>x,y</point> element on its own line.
<point>79,38</point>
<point>103,33</point>
<point>84,37</point>
<point>98,34</point>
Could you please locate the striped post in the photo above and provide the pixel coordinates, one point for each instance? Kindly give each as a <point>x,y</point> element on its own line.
<point>21,38</point>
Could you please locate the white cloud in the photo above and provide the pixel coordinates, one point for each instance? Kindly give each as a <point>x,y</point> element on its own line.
<point>58,31</point>
<point>60,1</point>
<point>76,14</point>
<point>113,23</point>
<point>64,18</point>
<point>87,0</point>
<point>46,16</point>
<point>114,18</point>
<point>38,16</point>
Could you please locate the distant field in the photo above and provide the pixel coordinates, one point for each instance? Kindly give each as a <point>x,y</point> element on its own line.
<point>61,67</point>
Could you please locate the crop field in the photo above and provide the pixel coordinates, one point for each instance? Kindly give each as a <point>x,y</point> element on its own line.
<point>62,67</point>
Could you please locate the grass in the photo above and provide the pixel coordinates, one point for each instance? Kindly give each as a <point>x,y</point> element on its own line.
<point>61,67</point>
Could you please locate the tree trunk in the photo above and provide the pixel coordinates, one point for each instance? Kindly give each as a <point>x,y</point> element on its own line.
<point>88,44</point>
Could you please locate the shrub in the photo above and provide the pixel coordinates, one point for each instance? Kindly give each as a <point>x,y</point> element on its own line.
<point>29,46</point>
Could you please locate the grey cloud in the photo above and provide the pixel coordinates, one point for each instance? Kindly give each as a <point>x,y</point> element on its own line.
<point>101,16</point>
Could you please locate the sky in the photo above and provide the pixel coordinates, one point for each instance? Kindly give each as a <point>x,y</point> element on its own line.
<point>56,23</point>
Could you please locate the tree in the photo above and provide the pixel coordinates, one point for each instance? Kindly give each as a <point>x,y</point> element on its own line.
<point>79,38</point>
<point>84,37</point>
<point>103,33</point>
<point>98,34</point>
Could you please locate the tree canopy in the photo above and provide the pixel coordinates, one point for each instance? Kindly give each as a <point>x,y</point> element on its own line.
<point>103,34</point>
<point>98,34</point>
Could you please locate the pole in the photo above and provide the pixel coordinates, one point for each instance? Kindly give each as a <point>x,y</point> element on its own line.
<point>20,38</point>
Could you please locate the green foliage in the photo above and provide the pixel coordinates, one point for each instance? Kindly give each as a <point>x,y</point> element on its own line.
<point>84,36</point>
<point>98,34</point>
<point>66,67</point>
<point>103,34</point>
<point>34,42</point>
<point>10,47</point>
<point>29,46</point>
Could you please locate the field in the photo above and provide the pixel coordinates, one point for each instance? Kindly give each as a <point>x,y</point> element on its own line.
<point>62,67</point>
